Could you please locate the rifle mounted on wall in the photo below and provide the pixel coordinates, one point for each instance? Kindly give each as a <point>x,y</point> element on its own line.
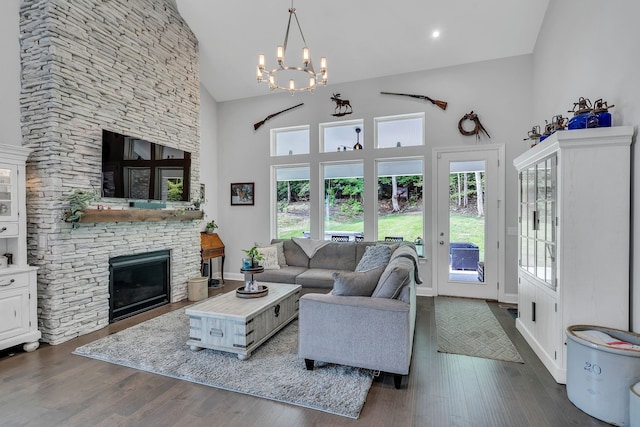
<point>271,116</point>
<point>441,104</point>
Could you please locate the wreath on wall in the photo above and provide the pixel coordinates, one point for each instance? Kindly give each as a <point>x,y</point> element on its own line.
<point>477,128</point>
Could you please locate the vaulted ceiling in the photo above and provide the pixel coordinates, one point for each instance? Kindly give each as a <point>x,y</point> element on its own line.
<point>361,39</point>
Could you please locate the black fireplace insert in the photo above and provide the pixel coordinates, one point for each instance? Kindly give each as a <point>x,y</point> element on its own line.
<point>138,283</point>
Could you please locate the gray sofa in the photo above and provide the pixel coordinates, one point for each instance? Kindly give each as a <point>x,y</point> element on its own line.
<point>373,331</point>
<point>315,272</point>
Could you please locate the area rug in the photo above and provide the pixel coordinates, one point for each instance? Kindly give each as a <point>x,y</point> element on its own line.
<point>274,371</point>
<point>468,327</point>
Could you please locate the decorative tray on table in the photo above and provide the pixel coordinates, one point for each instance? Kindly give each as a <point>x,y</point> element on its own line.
<point>242,293</point>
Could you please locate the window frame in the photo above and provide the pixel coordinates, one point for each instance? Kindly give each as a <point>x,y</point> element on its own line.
<point>398,117</point>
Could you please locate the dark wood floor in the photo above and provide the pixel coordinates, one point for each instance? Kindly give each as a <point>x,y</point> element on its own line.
<point>52,387</point>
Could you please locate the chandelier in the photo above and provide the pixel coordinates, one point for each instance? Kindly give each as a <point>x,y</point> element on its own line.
<point>293,73</point>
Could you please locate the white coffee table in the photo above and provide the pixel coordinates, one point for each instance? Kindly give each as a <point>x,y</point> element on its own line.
<point>239,325</point>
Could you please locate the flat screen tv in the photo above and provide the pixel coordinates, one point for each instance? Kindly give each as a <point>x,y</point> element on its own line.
<point>133,168</point>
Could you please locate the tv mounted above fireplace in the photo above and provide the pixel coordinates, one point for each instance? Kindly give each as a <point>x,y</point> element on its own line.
<point>133,168</point>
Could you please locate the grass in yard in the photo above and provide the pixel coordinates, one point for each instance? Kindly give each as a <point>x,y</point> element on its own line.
<point>463,227</point>
<point>467,228</point>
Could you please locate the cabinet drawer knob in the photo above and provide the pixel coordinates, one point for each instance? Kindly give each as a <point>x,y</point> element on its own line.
<point>7,284</point>
<point>3,229</point>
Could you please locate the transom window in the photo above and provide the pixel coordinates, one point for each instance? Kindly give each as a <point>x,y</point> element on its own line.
<point>341,136</point>
<point>289,141</point>
<point>399,131</point>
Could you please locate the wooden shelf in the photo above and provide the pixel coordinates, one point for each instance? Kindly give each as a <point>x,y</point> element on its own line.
<point>139,215</point>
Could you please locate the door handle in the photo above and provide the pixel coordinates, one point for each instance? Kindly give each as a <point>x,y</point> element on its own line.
<point>442,242</point>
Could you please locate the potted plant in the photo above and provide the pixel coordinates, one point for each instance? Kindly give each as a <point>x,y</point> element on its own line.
<point>210,227</point>
<point>254,255</point>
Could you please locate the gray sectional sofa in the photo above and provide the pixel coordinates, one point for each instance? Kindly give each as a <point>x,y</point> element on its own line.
<point>368,318</point>
<point>316,271</point>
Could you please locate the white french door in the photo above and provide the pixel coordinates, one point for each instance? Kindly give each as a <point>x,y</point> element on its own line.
<point>468,222</point>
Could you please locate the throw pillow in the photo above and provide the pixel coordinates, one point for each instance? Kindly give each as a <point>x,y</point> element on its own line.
<point>396,275</point>
<point>282,261</point>
<point>392,246</point>
<point>356,283</point>
<point>269,258</point>
<point>373,257</point>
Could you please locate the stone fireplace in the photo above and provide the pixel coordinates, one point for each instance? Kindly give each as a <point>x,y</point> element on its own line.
<point>129,66</point>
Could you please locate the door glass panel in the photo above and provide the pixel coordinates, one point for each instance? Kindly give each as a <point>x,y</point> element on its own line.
<point>5,192</point>
<point>466,220</point>
<point>531,260</point>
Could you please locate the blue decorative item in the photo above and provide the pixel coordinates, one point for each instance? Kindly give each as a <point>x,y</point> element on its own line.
<point>601,110</point>
<point>579,121</point>
<point>581,114</point>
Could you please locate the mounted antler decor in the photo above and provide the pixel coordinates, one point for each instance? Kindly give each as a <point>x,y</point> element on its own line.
<point>340,103</point>
<point>477,128</point>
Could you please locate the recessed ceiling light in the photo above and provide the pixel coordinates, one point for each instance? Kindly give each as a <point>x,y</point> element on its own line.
<point>435,34</point>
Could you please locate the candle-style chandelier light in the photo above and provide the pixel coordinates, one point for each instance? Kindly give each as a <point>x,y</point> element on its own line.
<point>284,77</point>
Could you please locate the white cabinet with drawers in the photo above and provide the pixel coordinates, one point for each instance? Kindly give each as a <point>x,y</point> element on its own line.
<point>18,280</point>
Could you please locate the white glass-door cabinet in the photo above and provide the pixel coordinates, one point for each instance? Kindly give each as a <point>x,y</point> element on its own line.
<point>573,263</point>
<point>18,280</point>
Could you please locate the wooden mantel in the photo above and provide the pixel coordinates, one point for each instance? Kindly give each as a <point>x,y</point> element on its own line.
<point>139,215</point>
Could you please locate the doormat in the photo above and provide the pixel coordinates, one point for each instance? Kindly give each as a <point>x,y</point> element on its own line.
<point>468,327</point>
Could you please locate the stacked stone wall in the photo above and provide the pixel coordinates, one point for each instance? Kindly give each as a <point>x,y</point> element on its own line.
<point>129,66</point>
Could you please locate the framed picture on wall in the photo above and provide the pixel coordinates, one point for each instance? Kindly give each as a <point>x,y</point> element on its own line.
<point>242,193</point>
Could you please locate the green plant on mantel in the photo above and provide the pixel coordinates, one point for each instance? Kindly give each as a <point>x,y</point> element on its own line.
<point>78,202</point>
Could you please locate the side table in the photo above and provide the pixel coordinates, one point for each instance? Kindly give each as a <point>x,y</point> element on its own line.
<point>212,247</point>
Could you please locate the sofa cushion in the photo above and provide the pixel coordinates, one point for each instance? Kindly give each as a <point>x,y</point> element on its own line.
<point>293,253</point>
<point>282,261</point>
<point>316,278</point>
<point>356,283</point>
<point>374,257</point>
<point>335,256</point>
<point>396,275</point>
<point>286,274</point>
<point>269,258</point>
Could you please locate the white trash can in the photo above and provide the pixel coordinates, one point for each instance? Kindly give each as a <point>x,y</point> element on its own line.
<point>634,405</point>
<point>602,365</point>
<point>197,288</point>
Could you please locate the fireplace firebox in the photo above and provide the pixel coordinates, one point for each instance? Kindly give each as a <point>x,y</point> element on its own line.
<point>138,283</point>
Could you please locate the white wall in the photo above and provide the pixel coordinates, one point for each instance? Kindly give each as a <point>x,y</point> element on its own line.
<point>499,91</point>
<point>209,158</point>
<point>599,60</point>
<point>10,73</point>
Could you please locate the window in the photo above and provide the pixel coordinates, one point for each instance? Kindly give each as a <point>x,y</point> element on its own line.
<point>341,136</point>
<point>289,141</point>
<point>399,131</point>
<point>292,201</point>
<point>343,192</point>
<point>400,201</point>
